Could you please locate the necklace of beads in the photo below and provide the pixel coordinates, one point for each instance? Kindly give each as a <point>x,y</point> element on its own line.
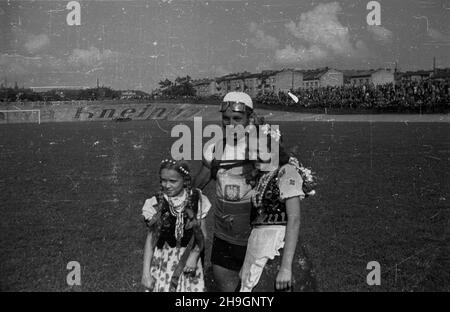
<point>261,187</point>
<point>176,208</point>
<point>177,211</point>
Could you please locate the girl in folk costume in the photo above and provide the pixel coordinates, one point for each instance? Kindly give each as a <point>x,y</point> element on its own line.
<point>175,218</point>
<point>271,256</point>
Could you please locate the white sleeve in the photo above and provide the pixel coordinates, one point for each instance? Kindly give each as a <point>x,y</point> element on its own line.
<point>290,182</point>
<point>149,210</point>
<point>204,208</point>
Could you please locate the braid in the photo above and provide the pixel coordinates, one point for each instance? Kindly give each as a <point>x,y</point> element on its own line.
<point>188,187</point>
<point>155,227</point>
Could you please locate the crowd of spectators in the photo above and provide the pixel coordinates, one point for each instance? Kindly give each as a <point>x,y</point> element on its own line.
<point>426,96</point>
<point>423,96</point>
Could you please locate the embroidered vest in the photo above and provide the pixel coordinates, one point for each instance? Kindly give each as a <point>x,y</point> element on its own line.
<point>168,221</point>
<point>267,208</point>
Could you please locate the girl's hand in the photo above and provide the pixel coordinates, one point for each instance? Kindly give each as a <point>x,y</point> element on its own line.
<point>191,263</point>
<point>283,280</point>
<point>192,224</point>
<point>147,280</point>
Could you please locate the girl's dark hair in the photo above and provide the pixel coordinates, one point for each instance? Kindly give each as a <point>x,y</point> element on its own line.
<point>284,156</point>
<point>251,173</point>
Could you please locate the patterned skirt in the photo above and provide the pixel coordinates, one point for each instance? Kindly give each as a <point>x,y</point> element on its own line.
<point>164,263</point>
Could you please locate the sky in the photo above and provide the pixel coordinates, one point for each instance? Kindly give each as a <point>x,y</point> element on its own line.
<point>134,44</point>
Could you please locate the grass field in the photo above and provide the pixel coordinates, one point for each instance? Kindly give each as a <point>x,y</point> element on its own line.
<point>74,192</point>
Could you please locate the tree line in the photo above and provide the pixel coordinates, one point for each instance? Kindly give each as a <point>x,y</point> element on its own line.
<point>17,94</point>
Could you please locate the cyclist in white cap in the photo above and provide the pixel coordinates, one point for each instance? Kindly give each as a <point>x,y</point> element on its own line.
<point>232,204</point>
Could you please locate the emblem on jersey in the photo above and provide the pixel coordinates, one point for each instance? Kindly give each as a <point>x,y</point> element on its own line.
<point>232,192</point>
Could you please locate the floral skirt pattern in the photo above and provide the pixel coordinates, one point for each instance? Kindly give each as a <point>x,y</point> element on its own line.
<point>164,263</point>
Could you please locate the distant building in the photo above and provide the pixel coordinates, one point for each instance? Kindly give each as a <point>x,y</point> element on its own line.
<point>292,79</point>
<point>59,88</point>
<point>133,94</point>
<point>441,74</point>
<point>362,77</point>
<point>419,75</point>
<point>322,77</point>
<point>382,76</point>
<point>252,84</point>
<point>222,86</point>
<point>288,79</point>
<point>267,81</point>
<point>205,87</point>
<point>236,83</point>
<point>232,82</point>
<point>128,94</point>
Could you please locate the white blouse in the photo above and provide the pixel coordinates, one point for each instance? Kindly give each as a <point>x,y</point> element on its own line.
<point>149,210</point>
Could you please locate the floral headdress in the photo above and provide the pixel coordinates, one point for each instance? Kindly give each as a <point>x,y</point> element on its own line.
<point>309,181</point>
<point>274,133</point>
<point>179,166</point>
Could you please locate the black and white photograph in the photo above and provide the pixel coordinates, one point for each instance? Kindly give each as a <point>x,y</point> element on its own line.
<point>224,146</point>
